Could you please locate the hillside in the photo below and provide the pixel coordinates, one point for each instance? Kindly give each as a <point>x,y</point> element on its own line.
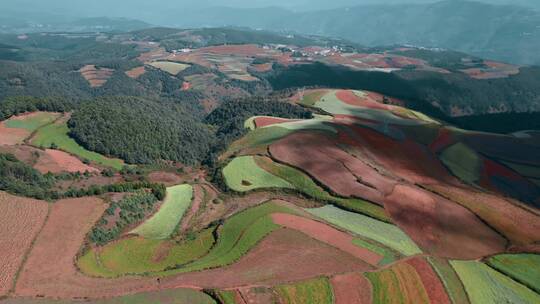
<point>234,166</point>
<point>481,29</point>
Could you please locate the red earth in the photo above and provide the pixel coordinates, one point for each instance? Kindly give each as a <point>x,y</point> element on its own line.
<point>317,154</point>
<point>441,227</point>
<point>351,288</point>
<point>10,137</point>
<point>444,139</point>
<point>136,72</point>
<point>326,234</point>
<point>264,121</point>
<point>407,159</point>
<point>20,221</point>
<point>56,161</point>
<point>432,284</point>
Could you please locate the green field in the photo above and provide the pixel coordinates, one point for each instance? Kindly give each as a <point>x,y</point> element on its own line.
<point>243,174</point>
<point>311,98</point>
<point>398,284</point>
<point>485,285</point>
<point>303,183</point>
<point>137,255</point>
<point>524,268</point>
<point>57,134</point>
<point>367,227</point>
<point>389,256</point>
<point>171,296</point>
<point>227,297</point>
<point>331,104</point>
<point>34,122</point>
<point>463,162</point>
<point>313,291</point>
<point>237,236</point>
<point>309,124</point>
<point>450,280</point>
<point>162,224</point>
<point>172,68</point>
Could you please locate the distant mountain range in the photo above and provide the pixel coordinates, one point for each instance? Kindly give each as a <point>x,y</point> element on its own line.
<point>502,32</point>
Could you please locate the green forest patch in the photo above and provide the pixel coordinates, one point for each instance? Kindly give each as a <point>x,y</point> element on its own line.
<point>307,292</point>
<point>524,268</point>
<point>384,233</point>
<point>162,224</point>
<point>56,136</point>
<point>486,285</point>
<point>243,174</point>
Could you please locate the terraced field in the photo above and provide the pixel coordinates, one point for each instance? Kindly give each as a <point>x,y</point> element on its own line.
<point>172,68</point>
<point>242,174</point>
<point>162,224</point>
<point>485,285</point>
<point>370,228</point>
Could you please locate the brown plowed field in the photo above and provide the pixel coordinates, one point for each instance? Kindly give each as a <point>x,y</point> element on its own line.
<point>10,136</point>
<point>349,97</point>
<point>283,256</point>
<point>432,284</point>
<point>406,159</point>
<point>351,288</point>
<point>167,178</point>
<point>96,76</point>
<point>344,174</point>
<point>268,121</point>
<point>198,196</point>
<point>326,234</point>
<point>441,227</point>
<point>56,161</point>
<point>20,221</point>
<point>136,72</point>
<point>508,218</point>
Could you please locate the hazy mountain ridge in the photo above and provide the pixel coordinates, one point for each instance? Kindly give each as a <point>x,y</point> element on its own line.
<point>507,33</point>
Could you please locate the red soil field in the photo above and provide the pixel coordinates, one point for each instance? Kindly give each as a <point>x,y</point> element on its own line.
<point>285,255</point>
<point>257,295</point>
<point>56,161</point>
<point>20,221</point>
<point>506,216</point>
<point>352,99</point>
<point>9,136</point>
<point>440,227</point>
<point>96,76</point>
<point>444,140</point>
<point>328,235</point>
<point>50,270</point>
<point>432,284</point>
<point>407,159</point>
<point>136,72</point>
<point>186,86</point>
<point>249,50</point>
<point>351,288</point>
<point>316,154</point>
<point>198,196</point>
<point>263,67</point>
<point>166,178</point>
<point>268,121</point>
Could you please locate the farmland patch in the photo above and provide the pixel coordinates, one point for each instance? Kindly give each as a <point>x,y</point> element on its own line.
<point>162,224</point>
<point>242,174</point>
<point>364,226</point>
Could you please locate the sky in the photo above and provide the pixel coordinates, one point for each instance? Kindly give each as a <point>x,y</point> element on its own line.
<point>152,10</point>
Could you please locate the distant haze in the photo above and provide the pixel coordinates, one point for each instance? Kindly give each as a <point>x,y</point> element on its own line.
<point>160,12</point>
